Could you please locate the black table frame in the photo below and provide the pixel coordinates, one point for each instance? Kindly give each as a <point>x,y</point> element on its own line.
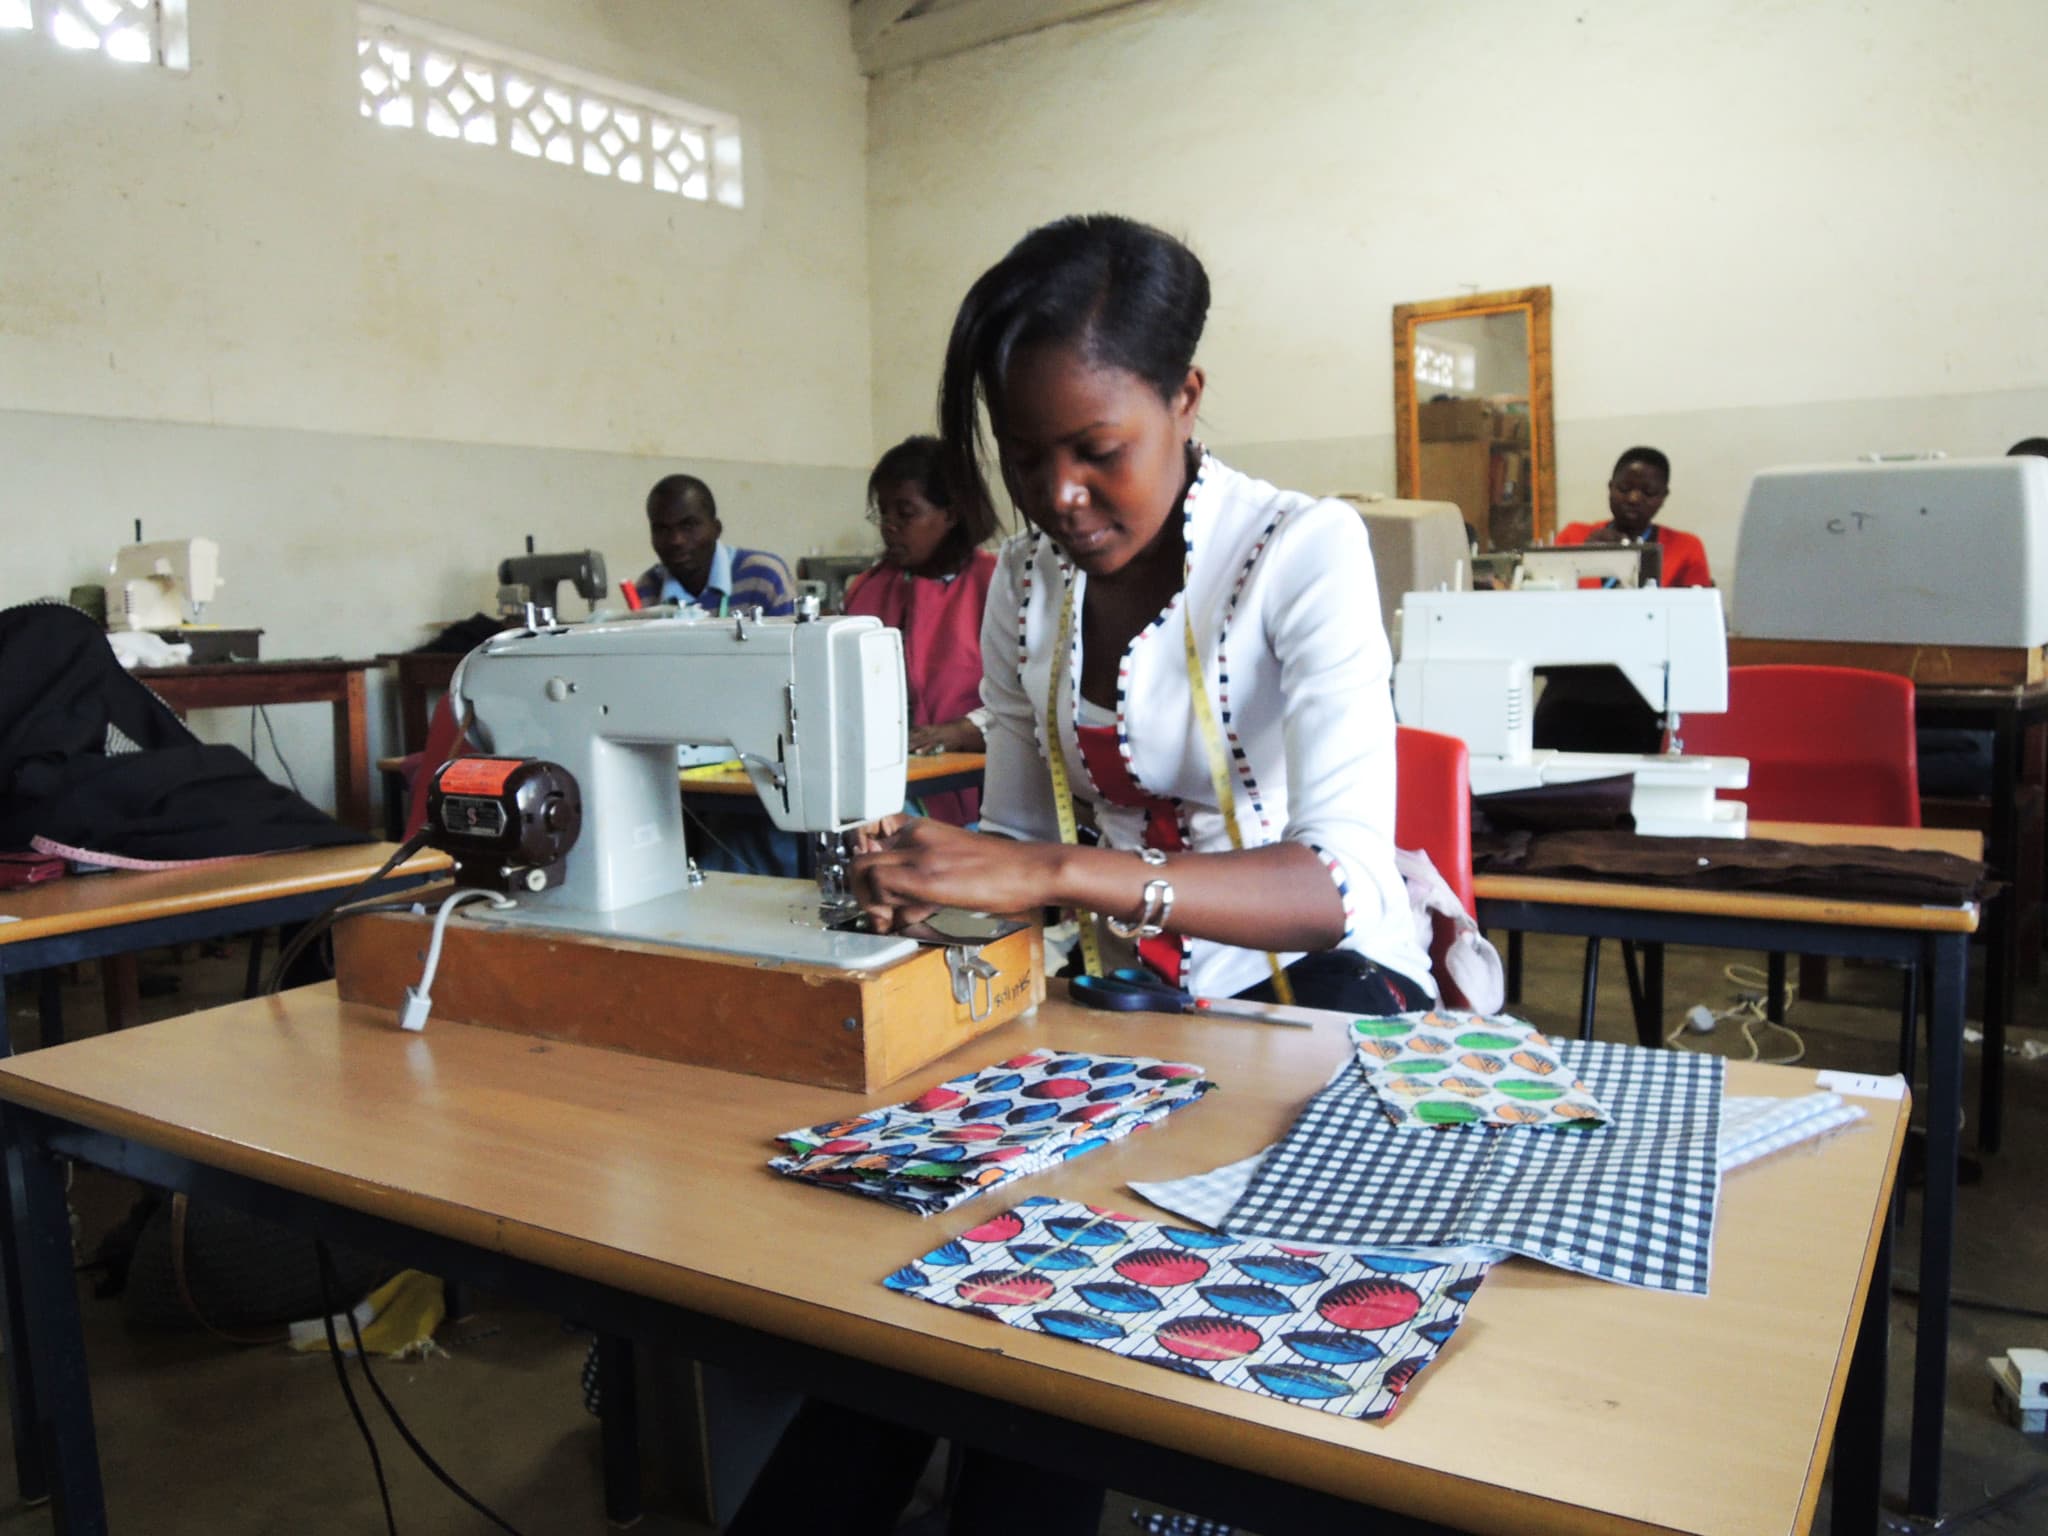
<point>1942,958</point>
<point>45,954</point>
<point>52,1366</point>
<point>2008,714</point>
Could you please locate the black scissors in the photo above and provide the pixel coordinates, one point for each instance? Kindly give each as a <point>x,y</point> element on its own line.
<point>1130,990</point>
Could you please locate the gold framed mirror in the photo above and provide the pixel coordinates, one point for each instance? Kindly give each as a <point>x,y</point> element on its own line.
<point>1472,422</point>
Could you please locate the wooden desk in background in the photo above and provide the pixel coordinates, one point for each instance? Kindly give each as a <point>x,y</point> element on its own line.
<point>251,684</point>
<point>573,1179</point>
<point>930,774</point>
<point>1935,940</point>
<point>113,915</point>
<point>421,674</point>
<point>2002,691</point>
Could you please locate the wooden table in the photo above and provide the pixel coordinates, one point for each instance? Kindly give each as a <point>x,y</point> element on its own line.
<point>1998,689</point>
<point>239,684</point>
<point>929,774</point>
<point>631,1193</point>
<point>420,675</point>
<point>95,917</point>
<point>1934,940</point>
<point>2009,714</point>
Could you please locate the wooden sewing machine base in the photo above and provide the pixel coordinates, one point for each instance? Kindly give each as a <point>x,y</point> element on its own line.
<point>798,1023</point>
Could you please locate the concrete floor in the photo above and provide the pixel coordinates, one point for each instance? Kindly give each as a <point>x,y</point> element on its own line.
<point>196,1435</point>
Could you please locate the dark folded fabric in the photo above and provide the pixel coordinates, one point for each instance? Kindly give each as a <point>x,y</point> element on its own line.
<point>1583,805</point>
<point>1845,870</point>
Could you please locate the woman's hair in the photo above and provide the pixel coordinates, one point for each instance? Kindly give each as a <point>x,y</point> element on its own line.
<point>1124,294</point>
<point>922,462</point>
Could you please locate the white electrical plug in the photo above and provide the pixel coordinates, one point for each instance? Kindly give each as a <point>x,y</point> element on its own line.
<point>412,1014</point>
<point>1699,1018</point>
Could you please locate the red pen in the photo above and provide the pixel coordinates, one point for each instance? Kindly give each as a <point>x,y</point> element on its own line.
<point>631,594</point>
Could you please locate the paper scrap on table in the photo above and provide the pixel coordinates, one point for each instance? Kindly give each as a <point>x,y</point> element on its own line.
<point>1447,1067</point>
<point>1345,1333</point>
<point>1862,1085</point>
<point>986,1128</point>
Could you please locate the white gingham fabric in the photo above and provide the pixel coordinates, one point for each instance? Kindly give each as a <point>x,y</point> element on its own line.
<point>1755,1128</point>
<point>1631,1202</point>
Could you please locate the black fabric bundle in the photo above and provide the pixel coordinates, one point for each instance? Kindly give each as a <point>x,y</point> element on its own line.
<point>90,758</point>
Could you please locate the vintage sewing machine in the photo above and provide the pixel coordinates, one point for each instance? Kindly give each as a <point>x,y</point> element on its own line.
<point>537,579</point>
<point>1943,555</point>
<point>1468,665</point>
<point>164,585</point>
<point>615,937</point>
<point>1567,567</point>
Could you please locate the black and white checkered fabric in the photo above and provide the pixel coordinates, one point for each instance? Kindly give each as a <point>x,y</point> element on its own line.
<point>1631,1202</point>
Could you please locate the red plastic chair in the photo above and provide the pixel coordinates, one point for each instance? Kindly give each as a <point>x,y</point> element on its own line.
<point>1835,745</point>
<point>1826,744</point>
<point>1433,814</point>
<point>440,746</point>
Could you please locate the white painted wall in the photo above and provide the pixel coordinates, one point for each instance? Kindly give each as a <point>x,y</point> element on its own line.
<point>369,362</point>
<point>1780,228</point>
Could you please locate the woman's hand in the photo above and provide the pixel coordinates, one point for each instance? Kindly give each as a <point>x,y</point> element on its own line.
<point>959,735</point>
<point>908,870</point>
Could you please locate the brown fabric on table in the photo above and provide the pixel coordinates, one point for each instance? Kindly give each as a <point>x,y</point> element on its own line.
<point>1583,805</point>
<point>1737,864</point>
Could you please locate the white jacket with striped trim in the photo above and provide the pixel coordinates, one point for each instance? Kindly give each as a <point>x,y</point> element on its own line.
<point>1285,609</point>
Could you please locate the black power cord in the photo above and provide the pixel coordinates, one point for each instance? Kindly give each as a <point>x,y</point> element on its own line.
<point>326,1262</point>
<point>390,1409</point>
<point>320,923</point>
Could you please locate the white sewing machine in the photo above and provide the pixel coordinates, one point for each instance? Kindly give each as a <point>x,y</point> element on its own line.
<point>612,936</point>
<point>165,585</point>
<point>814,709</point>
<point>1467,668</point>
<point>1916,552</point>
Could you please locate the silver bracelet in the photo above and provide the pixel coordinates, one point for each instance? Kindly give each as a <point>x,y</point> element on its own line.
<point>1156,904</point>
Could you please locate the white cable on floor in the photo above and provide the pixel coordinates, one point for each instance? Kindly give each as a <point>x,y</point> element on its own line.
<point>1750,1012</point>
<point>418,1000</point>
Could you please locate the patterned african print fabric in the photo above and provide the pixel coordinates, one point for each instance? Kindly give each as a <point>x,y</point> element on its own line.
<point>1343,1332</point>
<point>981,1129</point>
<point>1631,1201</point>
<point>1447,1067</point>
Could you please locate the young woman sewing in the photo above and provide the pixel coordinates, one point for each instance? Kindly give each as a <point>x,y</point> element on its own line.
<point>1196,656</point>
<point>1192,654</point>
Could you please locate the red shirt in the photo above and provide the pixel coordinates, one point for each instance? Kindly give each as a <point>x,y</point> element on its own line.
<point>941,626</point>
<point>1685,557</point>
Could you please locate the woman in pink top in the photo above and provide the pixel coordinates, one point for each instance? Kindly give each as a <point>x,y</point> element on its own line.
<point>931,583</point>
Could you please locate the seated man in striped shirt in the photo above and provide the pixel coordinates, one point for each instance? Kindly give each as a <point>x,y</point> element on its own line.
<point>698,570</point>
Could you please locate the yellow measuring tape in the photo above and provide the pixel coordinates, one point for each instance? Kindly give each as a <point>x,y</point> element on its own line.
<point>1212,742</point>
<point>1056,760</point>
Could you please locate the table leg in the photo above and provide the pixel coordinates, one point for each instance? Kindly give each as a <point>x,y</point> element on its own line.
<point>1589,988</point>
<point>1650,1026</point>
<point>252,975</point>
<point>50,1005</point>
<point>1774,986</point>
<point>352,753</point>
<point>1938,1218</point>
<point>1514,988</point>
<point>619,1409</point>
<point>21,1382</point>
<point>1635,981</point>
<point>1858,1470</point>
<point>121,986</point>
<point>67,1445</point>
<point>2001,946</point>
